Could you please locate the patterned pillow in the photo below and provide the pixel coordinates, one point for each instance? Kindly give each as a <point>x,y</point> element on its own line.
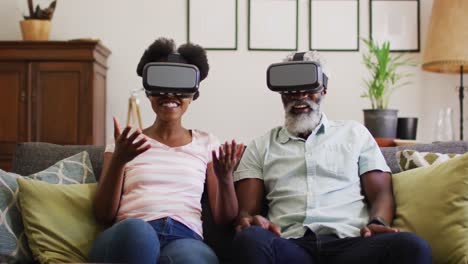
<point>13,242</point>
<point>411,159</point>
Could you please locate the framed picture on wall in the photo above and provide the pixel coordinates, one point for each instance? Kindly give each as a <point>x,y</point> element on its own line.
<point>273,25</point>
<point>396,21</point>
<point>212,30</point>
<point>326,32</point>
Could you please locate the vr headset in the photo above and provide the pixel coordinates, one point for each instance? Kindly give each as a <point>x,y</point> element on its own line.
<point>173,77</point>
<point>296,76</point>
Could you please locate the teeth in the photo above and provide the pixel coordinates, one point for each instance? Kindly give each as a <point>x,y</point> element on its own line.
<point>170,105</point>
<point>300,106</point>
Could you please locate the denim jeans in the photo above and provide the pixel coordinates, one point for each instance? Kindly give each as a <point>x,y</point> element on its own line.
<point>160,241</point>
<point>257,245</point>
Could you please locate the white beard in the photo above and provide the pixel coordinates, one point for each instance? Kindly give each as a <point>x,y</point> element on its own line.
<point>300,124</point>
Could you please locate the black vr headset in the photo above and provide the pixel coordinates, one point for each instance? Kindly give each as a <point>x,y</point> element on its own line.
<point>173,77</point>
<point>296,76</point>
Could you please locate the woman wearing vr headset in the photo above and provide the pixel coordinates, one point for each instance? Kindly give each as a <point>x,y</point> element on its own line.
<point>152,180</point>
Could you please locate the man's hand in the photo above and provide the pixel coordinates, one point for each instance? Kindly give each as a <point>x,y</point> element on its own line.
<point>126,149</point>
<point>257,220</point>
<point>373,229</point>
<point>225,163</point>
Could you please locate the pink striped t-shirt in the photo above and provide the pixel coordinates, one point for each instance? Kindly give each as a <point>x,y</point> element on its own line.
<point>167,181</point>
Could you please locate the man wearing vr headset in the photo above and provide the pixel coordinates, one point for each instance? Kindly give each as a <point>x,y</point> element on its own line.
<point>152,180</point>
<point>326,183</point>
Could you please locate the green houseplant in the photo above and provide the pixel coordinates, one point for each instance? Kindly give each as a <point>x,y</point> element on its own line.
<point>383,81</point>
<point>36,25</point>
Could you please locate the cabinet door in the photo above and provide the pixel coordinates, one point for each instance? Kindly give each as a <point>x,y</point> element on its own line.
<point>13,120</point>
<point>60,112</point>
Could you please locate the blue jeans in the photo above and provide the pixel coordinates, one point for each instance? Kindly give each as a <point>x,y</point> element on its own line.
<point>160,241</point>
<point>257,245</point>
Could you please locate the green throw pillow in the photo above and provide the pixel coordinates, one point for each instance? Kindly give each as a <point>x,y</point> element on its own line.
<point>58,220</point>
<point>13,242</point>
<point>433,203</point>
<point>411,159</point>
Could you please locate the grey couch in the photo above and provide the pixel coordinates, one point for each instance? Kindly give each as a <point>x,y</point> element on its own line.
<point>33,157</point>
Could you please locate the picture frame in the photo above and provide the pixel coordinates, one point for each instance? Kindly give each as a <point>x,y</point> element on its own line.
<point>273,25</point>
<point>322,21</point>
<point>396,21</point>
<point>216,30</point>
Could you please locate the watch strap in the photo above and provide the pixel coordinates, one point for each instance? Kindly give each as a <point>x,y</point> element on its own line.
<point>378,221</point>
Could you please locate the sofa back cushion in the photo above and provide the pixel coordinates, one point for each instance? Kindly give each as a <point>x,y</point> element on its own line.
<point>32,157</point>
<point>25,161</point>
<point>457,147</point>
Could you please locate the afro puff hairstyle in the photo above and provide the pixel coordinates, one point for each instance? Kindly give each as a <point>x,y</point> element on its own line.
<point>162,47</point>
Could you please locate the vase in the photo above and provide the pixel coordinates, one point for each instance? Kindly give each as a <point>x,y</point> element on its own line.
<point>35,29</point>
<point>444,130</point>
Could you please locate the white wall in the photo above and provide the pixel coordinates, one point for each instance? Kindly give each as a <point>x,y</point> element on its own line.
<point>234,101</point>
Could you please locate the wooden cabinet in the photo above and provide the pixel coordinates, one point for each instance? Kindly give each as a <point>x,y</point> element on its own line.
<point>51,91</point>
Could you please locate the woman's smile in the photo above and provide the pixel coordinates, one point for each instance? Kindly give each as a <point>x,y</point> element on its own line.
<point>170,104</point>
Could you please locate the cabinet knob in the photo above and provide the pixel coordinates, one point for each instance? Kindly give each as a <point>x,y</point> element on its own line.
<point>23,96</point>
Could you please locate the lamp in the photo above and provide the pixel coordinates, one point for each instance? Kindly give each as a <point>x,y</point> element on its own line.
<point>447,43</point>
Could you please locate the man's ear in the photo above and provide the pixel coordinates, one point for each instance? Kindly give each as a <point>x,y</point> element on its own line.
<point>324,91</point>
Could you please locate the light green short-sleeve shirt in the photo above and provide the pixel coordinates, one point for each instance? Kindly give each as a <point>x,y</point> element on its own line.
<point>314,183</point>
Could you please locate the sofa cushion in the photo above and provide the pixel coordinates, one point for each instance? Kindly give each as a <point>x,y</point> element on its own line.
<point>75,169</point>
<point>411,159</point>
<point>218,237</point>
<point>433,203</point>
<point>458,147</point>
<point>32,157</point>
<point>58,220</point>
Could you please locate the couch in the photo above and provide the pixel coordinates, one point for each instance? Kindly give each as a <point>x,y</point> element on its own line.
<point>33,157</point>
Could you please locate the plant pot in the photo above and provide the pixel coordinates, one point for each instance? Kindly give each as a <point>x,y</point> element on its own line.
<point>381,123</point>
<point>35,29</point>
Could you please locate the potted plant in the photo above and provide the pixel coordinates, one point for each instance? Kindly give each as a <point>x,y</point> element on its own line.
<point>36,26</point>
<point>383,81</point>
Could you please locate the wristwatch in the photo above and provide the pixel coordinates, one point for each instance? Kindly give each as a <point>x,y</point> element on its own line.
<point>378,221</point>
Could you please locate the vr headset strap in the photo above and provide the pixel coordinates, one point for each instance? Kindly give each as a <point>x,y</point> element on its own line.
<point>176,58</point>
<point>298,56</point>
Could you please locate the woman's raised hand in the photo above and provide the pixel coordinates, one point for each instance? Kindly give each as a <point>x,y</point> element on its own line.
<point>126,148</point>
<point>227,160</point>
